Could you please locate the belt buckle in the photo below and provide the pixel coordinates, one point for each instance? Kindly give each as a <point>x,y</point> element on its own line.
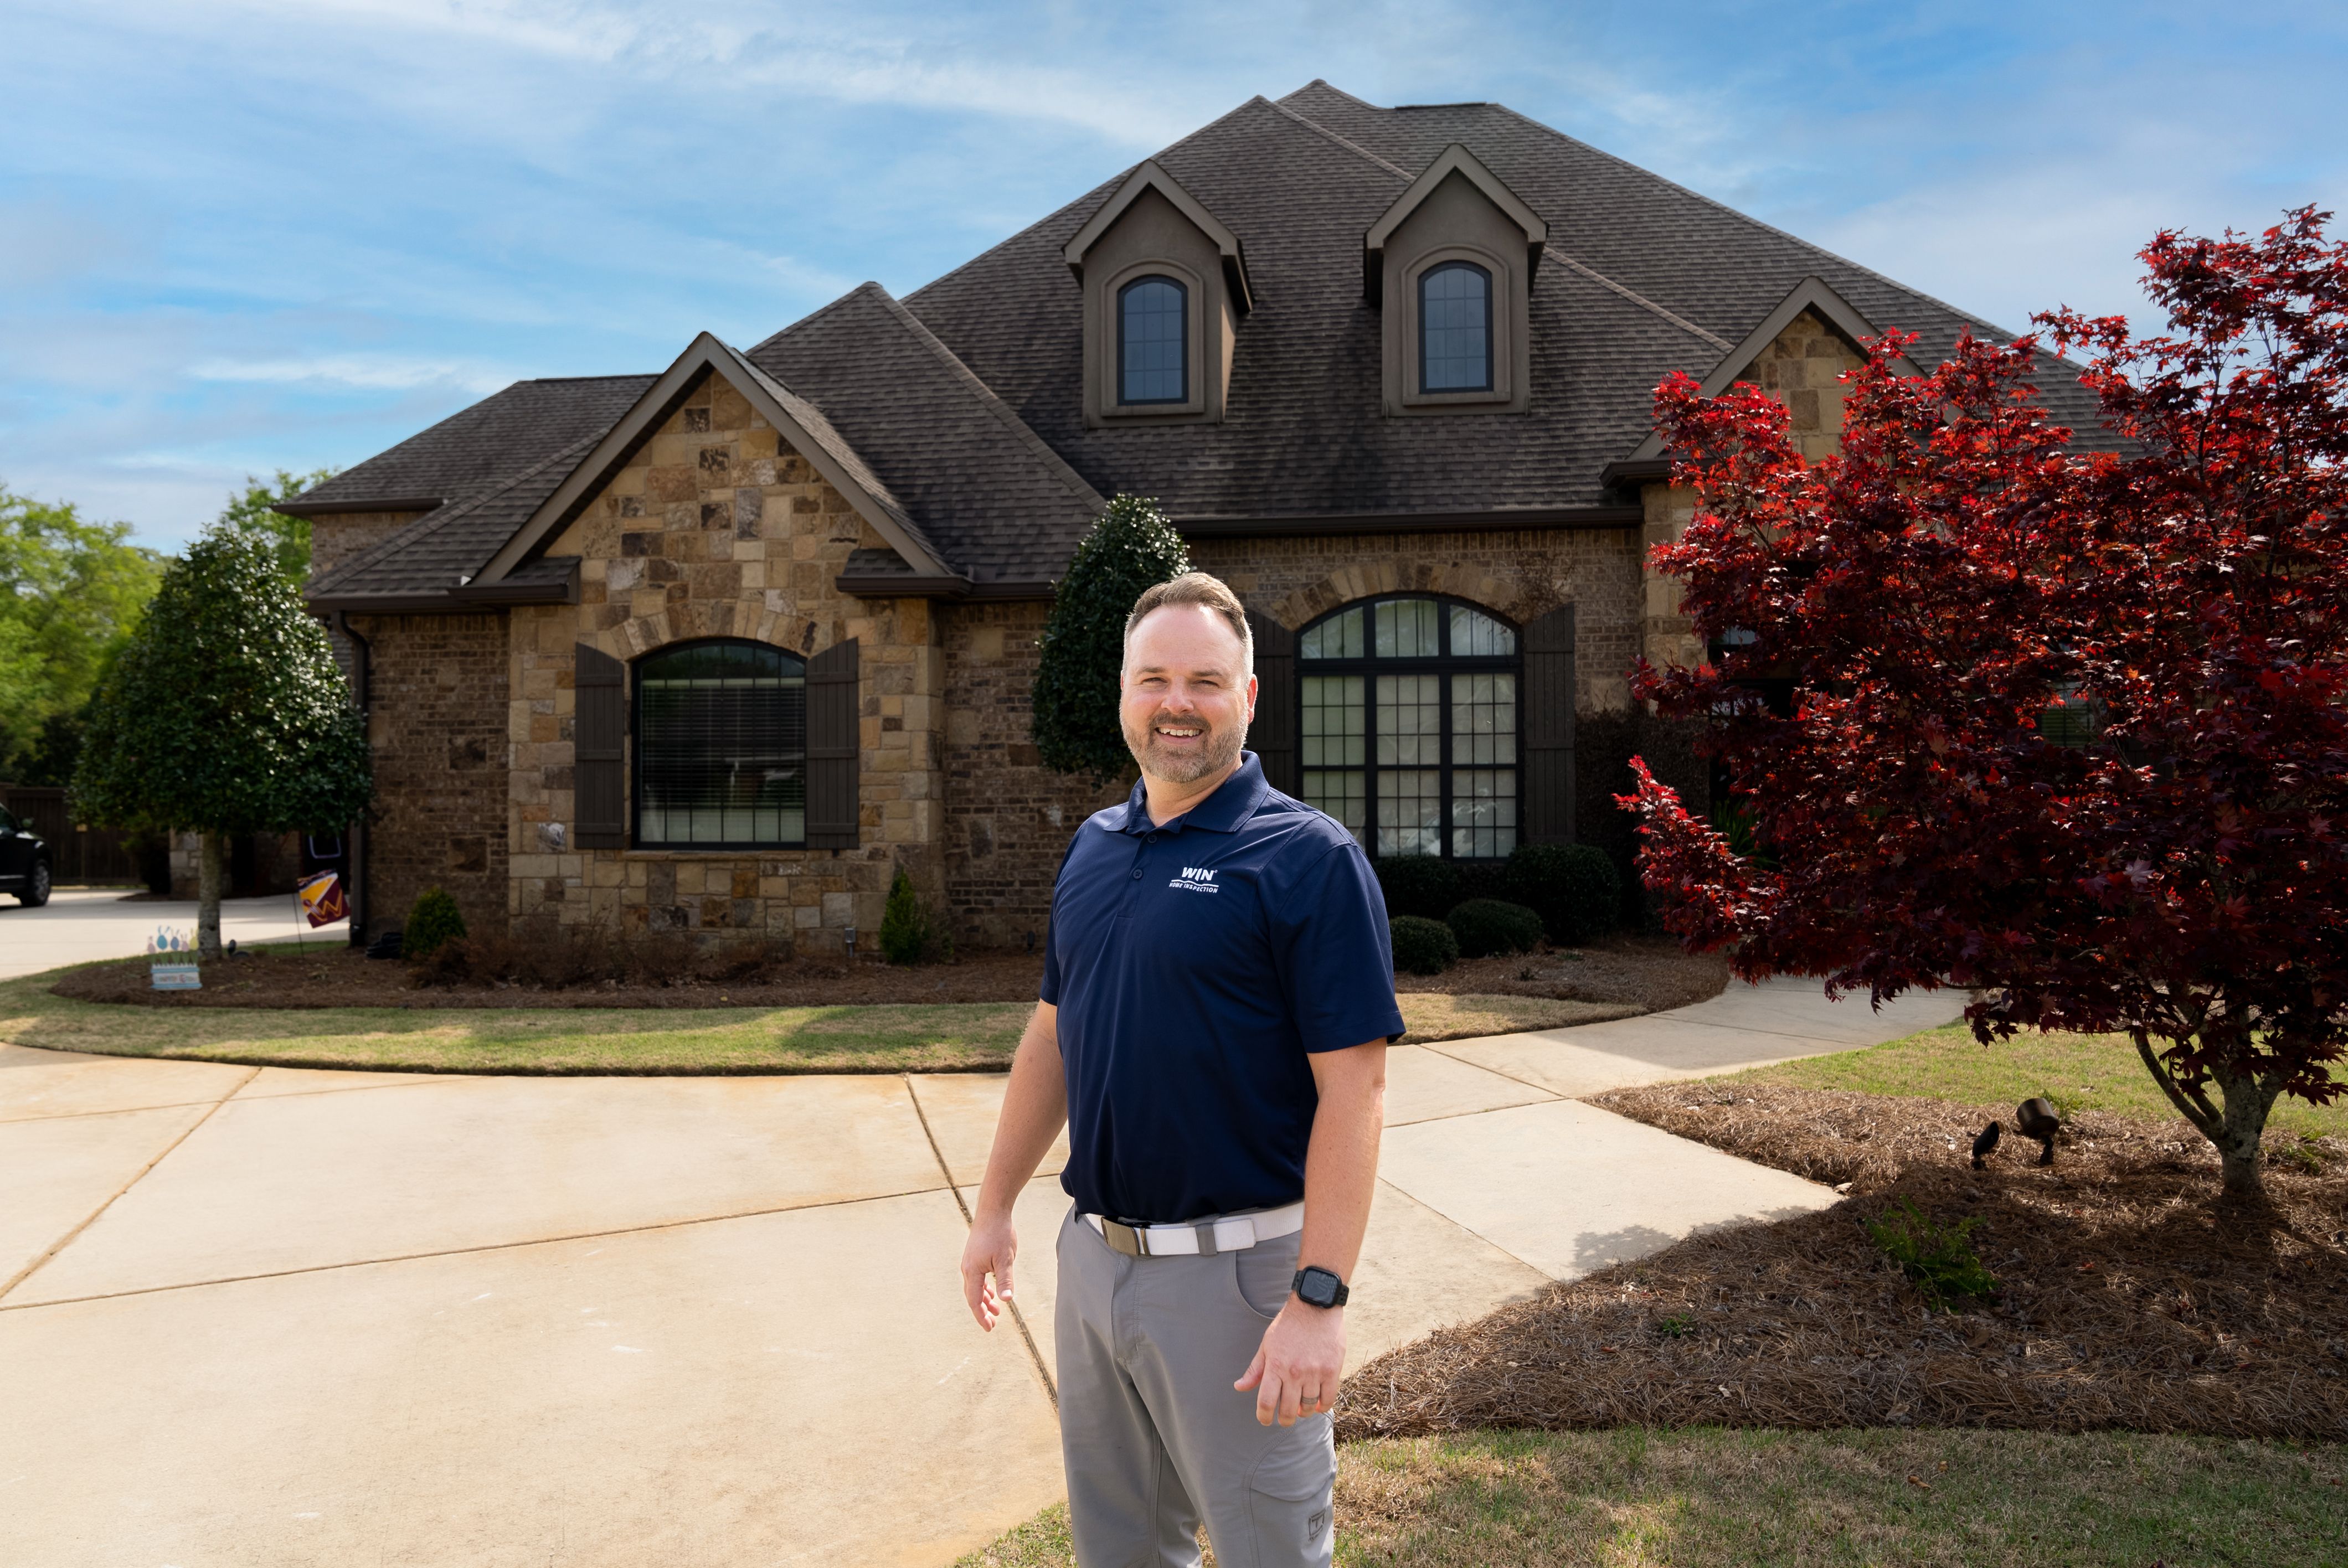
<point>1123,1238</point>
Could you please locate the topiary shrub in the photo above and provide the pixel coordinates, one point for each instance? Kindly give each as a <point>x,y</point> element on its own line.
<point>1489,926</point>
<point>908,935</point>
<point>1073,711</point>
<point>1423,947</point>
<point>1572,887</point>
<point>433,921</point>
<point>1419,884</point>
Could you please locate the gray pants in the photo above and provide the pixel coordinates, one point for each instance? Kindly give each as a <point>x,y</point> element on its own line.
<point>1155,1436</point>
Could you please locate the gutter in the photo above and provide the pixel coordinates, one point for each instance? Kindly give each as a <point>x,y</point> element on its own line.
<point>1503,519</point>
<point>1636,471</point>
<point>297,508</point>
<point>953,590</point>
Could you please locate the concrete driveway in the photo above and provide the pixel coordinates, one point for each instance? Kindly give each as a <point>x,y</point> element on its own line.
<point>263,1316</point>
<point>79,924</point>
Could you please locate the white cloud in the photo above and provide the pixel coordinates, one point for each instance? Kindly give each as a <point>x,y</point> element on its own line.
<point>374,373</point>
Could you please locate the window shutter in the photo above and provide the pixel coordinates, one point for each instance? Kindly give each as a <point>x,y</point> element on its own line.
<point>1273,736</point>
<point>599,731</point>
<point>833,746</point>
<point>1548,644</point>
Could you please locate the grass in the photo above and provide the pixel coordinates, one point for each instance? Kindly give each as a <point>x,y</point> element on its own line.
<point>2076,1072</point>
<point>928,1038</point>
<point>1702,1496</point>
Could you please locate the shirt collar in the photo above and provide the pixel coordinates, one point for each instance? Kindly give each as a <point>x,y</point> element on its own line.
<point>1234,802</point>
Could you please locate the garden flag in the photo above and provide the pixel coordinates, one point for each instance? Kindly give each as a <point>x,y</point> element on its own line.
<point>322,898</point>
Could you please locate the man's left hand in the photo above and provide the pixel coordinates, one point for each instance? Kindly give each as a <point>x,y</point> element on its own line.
<point>1295,1369</point>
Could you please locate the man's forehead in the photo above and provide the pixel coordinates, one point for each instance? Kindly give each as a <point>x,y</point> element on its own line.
<point>1194,636</point>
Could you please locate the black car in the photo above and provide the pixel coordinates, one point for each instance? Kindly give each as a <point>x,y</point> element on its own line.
<point>24,861</point>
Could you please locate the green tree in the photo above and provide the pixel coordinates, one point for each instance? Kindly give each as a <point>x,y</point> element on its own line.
<point>1074,721</point>
<point>289,538</point>
<point>71,591</point>
<point>225,713</point>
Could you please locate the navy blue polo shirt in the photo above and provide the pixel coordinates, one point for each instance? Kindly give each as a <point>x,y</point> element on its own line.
<point>1195,965</point>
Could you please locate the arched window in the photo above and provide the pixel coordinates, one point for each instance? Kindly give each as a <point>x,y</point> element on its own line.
<point>721,747</point>
<point>1153,342</point>
<point>1407,726</point>
<point>1455,328</point>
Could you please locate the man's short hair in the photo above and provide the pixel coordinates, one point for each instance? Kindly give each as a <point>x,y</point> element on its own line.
<point>1197,588</point>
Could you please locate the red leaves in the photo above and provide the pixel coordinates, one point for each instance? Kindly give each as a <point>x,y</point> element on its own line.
<point>1960,588</point>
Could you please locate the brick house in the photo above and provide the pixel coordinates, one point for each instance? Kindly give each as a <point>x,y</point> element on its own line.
<point>721,647</point>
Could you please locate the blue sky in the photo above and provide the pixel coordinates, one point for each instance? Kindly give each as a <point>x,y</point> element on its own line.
<point>286,233</point>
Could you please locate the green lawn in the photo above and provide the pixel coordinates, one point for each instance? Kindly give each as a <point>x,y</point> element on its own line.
<point>1700,1496</point>
<point>896,1038</point>
<point>2077,1072</point>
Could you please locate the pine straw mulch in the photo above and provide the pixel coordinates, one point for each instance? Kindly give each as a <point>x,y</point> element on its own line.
<point>670,971</point>
<point>2129,1296</point>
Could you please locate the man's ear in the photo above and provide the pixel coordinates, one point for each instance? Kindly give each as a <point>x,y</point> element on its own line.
<point>1251,690</point>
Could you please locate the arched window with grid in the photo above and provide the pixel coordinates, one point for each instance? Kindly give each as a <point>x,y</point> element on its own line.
<point>1408,722</point>
<point>1153,342</point>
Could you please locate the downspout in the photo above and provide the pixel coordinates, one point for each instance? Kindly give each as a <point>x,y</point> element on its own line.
<point>358,842</point>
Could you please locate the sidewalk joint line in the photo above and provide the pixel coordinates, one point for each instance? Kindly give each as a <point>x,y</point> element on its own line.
<point>66,1240</point>
<point>1018,1318</point>
<point>461,1251</point>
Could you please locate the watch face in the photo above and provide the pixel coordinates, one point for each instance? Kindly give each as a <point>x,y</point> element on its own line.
<point>1318,1288</point>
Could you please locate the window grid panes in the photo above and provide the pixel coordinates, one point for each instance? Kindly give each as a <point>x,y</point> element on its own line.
<point>1151,343</point>
<point>1413,748</point>
<point>721,746</point>
<point>1454,328</point>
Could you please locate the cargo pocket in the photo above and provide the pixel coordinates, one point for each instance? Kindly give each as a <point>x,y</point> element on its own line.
<point>1289,1497</point>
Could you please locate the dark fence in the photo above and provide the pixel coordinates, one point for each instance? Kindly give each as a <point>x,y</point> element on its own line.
<point>88,856</point>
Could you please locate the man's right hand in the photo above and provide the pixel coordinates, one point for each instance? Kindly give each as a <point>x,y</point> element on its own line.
<point>993,1244</point>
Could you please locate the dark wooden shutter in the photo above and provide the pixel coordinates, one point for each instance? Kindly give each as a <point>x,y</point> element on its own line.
<point>1547,804</point>
<point>833,747</point>
<point>1273,736</point>
<point>599,734</point>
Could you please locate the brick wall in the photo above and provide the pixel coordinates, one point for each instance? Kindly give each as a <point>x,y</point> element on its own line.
<point>338,537</point>
<point>436,722</point>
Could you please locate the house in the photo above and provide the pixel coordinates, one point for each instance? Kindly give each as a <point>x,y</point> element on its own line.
<point>721,647</point>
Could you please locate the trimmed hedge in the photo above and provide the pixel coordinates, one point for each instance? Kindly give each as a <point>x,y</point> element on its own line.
<point>1489,926</point>
<point>1423,947</point>
<point>433,922</point>
<point>1431,888</point>
<point>1572,887</point>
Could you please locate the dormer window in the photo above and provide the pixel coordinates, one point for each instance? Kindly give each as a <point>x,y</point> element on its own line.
<point>1455,328</point>
<point>1153,342</point>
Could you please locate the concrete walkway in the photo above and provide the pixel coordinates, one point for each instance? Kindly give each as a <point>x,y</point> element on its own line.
<point>253,1318</point>
<point>80,924</point>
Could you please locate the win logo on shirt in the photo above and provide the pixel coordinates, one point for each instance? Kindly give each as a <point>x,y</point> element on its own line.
<point>1196,879</point>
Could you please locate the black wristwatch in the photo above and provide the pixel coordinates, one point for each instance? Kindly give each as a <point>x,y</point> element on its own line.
<point>1316,1286</point>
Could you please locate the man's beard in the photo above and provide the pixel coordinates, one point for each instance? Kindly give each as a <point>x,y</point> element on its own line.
<point>1219,749</point>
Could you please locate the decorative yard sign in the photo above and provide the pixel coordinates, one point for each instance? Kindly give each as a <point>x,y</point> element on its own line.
<point>322,898</point>
<point>170,966</point>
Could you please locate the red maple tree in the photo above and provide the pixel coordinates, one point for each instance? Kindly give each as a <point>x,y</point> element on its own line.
<point>2067,726</point>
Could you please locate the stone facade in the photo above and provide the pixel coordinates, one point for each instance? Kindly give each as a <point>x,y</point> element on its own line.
<point>718,528</point>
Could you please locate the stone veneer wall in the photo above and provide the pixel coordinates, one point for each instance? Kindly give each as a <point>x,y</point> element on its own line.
<point>1008,817</point>
<point>435,725</point>
<point>717,529</point>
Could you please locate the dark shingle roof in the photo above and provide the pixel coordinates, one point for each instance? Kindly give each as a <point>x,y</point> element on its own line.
<point>964,403</point>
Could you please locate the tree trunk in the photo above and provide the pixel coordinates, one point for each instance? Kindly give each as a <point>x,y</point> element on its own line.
<point>210,883</point>
<point>2244,1125</point>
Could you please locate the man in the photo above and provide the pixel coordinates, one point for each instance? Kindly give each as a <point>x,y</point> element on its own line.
<point>1218,998</point>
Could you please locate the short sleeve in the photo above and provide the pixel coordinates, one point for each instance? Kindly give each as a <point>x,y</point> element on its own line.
<point>1049,991</point>
<point>1335,953</point>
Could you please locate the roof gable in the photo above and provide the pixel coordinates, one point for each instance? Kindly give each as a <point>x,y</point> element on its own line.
<point>1452,160</point>
<point>1147,177</point>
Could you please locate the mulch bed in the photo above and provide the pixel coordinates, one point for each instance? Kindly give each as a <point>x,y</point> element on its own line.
<point>1642,972</point>
<point>2129,1295</point>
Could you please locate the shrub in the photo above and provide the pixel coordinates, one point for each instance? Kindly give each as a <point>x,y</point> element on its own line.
<point>433,921</point>
<point>1488,926</point>
<point>1423,947</point>
<point>908,935</point>
<point>1420,885</point>
<point>1939,1259</point>
<point>1572,887</point>
<point>1073,712</point>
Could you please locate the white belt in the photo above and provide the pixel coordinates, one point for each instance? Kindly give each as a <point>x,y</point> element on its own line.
<point>1204,1238</point>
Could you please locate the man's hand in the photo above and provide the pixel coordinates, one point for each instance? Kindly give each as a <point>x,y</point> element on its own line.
<point>1295,1369</point>
<point>993,1244</point>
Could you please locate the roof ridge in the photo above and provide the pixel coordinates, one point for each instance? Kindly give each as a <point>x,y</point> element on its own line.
<point>1963,315</point>
<point>1069,478</point>
<point>817,314</point>
<point>1595,276</point>
<point>1350,97</point>
<point>1111,185</point>
<point>611,375</point>
<point>442,515</point>
<point>1306,120</point>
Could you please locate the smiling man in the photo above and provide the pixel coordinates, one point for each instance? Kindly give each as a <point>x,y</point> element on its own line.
<point>1218,998</point>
